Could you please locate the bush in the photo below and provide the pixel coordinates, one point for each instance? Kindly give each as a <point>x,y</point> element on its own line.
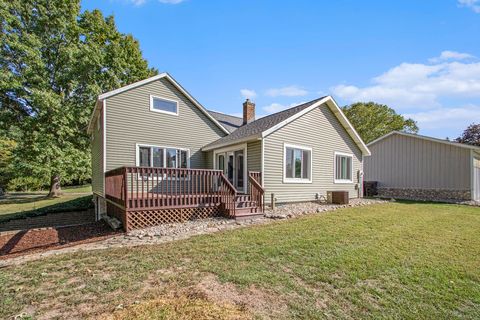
<point>25,184</point>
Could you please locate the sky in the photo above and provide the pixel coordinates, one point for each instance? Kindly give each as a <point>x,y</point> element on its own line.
<point>420,57</point>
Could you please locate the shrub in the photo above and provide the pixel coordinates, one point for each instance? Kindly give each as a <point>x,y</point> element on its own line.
<point>25,184</point>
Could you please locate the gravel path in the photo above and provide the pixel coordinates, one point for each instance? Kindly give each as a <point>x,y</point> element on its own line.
<point>176,231</point>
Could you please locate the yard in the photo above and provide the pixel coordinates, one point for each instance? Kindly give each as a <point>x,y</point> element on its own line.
<point>21,204</point>
<point>396,260</point>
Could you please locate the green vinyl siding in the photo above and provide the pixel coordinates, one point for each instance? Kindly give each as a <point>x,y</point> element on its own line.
<point>254,155</point>
<point>130,121</point>
<point>320,130</point>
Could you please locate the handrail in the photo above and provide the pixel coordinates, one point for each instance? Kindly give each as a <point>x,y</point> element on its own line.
<point>228,195</point>
<point>256,190</point>
<point>147,188</point>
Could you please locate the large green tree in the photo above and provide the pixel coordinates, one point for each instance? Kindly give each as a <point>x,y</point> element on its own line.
<point>54,62</point>
<point>471,135</point>
<point>373,120</point>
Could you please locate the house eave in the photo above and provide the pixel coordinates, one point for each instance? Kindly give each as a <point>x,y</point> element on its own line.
<point>233,142</point>
<point>330,102</point>
<point>412,135</point>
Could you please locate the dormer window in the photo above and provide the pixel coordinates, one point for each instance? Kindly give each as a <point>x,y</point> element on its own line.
<point>163,105</point>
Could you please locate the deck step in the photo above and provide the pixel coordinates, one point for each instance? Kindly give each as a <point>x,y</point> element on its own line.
<point>245,204</point>
<point>242,198</point>
<point>247,210</point>
<point>248,216</point>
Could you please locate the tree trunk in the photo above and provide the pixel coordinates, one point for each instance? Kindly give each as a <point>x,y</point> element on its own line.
<point>55,189</point>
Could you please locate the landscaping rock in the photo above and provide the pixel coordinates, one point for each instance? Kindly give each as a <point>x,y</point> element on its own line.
<point>296,209</point>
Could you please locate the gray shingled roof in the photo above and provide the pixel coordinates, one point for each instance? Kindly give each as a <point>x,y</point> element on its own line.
<point>231,123</point>
<point>260,125</point>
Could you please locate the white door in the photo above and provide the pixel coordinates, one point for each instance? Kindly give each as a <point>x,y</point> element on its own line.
<point>233,165</point>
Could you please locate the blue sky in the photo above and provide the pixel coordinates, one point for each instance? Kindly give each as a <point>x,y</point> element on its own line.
<point>421,57</point>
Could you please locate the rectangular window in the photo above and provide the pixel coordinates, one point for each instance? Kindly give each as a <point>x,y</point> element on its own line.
<point>343,168</point>
<point>297,164</point>
<point>163,105</point>
<point>158,157</point>
<point>183,158</point>
<point>171,158</point>
<point>144,157</point>
<point>161,157</point>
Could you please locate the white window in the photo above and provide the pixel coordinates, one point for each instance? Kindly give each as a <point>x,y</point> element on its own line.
<point>162,157</point>
<point>343,168</point>
<point>163,105</point>
<point>297,164</point>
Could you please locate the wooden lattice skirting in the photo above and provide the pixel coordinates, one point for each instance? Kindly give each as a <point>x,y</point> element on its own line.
<point>149,218</point>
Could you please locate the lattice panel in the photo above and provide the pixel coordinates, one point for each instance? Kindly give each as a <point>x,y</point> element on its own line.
<point>150,218</point>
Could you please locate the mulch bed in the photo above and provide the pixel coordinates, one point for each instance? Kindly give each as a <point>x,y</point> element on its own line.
<point>13,244</point>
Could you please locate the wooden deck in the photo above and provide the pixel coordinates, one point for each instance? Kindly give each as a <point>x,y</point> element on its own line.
<point>142,197</point>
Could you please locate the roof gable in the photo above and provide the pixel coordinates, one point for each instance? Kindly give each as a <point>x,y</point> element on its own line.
<point>164,75</point>
<point>262,127</point>
<point>417,136</point>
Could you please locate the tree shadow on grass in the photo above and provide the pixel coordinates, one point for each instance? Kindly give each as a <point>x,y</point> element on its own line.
<point>22,198</point>
<point>77,204</point>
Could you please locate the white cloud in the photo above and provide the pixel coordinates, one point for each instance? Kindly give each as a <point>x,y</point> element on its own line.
<point>472,4</point>
<point>446,118</point>
<point>276,107</point>
<point>137,2</point>
<point>248,93</point>
<point>451,55</point>
<point>290,91</point>
<point>410,85</point>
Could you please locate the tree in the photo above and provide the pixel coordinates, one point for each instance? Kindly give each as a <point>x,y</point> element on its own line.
<point>373,120</point>
<point>54,62</point>
<point>6,155</point>
<point>471,135</point>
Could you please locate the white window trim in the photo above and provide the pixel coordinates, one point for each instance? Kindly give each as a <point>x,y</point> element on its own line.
<point>163,111</point>
<point>296,180</point>
<point>341,181</point>
<point>137,153</point>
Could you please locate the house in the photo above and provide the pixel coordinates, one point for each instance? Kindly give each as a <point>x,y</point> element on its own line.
<point>158,155</point>
<point>410,166</point>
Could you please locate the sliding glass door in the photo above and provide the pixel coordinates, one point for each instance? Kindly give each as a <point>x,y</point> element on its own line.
<point>232,163</point>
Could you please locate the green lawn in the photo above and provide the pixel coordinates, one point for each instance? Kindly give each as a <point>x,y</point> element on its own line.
<point>78,189</point>
<point>396,261</point>
<point>20,204</point>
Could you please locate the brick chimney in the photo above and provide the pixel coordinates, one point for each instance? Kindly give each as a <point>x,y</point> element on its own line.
<point>248,111</point>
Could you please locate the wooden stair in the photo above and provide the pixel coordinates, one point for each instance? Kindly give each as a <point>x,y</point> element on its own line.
<point>245,208</point>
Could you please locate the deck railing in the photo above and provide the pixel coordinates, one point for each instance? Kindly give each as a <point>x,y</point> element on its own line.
<point>255,188</point>
<point>145,188</point>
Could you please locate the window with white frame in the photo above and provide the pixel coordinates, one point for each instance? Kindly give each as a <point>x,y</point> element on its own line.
<point>164,105</point>
<point>162,157</point>
<point>343,168</point>
<point>297,164</point>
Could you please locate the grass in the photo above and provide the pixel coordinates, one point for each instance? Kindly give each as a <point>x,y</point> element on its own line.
<point>28,204</point>
<point>398,260</point>
<point>77,189</point>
